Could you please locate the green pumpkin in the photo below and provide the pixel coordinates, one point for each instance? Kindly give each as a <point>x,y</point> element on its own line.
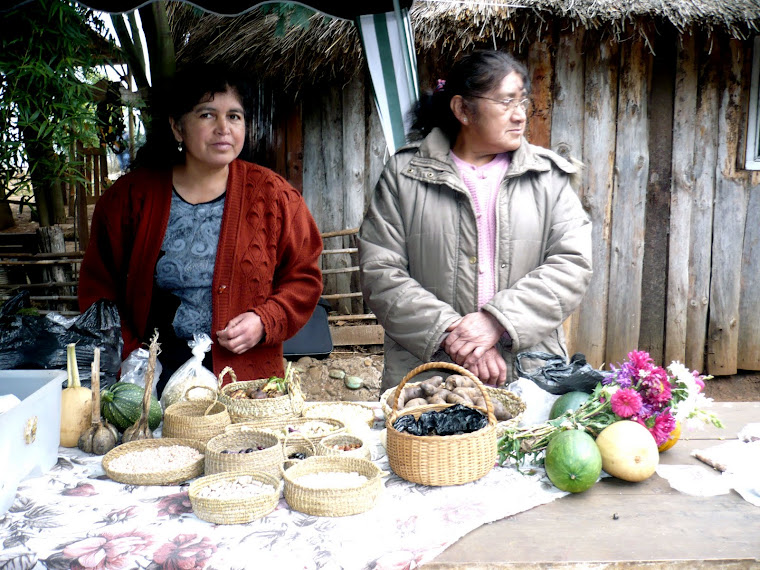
<point>121,405</point>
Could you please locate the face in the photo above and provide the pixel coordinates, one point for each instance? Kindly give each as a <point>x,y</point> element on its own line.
<point>212,133</point>
<point>491,128</point>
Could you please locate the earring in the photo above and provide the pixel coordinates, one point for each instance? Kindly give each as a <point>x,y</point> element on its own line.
<point>180,146</point>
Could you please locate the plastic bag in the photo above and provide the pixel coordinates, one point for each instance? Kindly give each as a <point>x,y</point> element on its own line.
<point>454,420</point>
<point>557,376</point>
<point>33,342</point>
<point>192,374</point>
<point>134,367</point>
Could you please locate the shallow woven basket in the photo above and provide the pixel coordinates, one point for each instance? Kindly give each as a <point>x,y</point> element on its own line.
<point>278,425</point>
<point>511,401</point>
<point>355,416</point>
<point>290,405</point>
<point>195,419</point>
<point>440,460</point>
<point>338,502</point>
<point>326,446</point>
<point>268,460</point>
<point>159,474</point>
<point>238,510</point>
<point>300,445</point>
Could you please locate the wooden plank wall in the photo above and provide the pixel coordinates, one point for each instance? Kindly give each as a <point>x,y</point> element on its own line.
<point>676,243</point>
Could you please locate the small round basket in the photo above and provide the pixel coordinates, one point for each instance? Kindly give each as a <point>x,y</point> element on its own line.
<point>357,418</point>
<point>195,419</point>
<point>295,429</point>
<point>164,461</point>
<point>292,449</point>
<point>440,460</point>
<point>268,459</point>
<point>331,444</point>
<point>233,508</point>
<point>331,501</point>
<point>244,409</point>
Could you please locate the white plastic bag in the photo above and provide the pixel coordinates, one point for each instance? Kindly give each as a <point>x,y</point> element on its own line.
<point>192,380</point>
<point>134,367</point>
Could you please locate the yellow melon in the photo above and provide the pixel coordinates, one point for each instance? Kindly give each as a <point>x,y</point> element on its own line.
<point>629,451</point>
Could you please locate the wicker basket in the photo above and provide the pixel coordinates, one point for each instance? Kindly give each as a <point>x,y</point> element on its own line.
<point>358,418</point>
<point>327,446</point>
<point>238,510</point>
<point>268,460</point>
<point>299,445</point>
<point>511,402</point>
<point>278,426</point>
<point>160,475</point>
<point>328,502</point>
<point>440,460</point>
<point>195,419</point>
<point>241,410</point>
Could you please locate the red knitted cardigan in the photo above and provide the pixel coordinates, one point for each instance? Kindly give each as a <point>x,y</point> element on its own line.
<point>266,260</point>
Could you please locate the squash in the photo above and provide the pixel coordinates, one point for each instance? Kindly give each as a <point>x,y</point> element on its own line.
<point>121,405</point>
<point>76,402</point>
<point>629,451</point>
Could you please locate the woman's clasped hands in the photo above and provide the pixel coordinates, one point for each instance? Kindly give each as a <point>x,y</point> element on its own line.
<point>470,343</point>
<point>242,333</point>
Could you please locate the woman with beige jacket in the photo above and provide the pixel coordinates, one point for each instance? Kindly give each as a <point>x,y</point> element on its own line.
<point>475,246</point>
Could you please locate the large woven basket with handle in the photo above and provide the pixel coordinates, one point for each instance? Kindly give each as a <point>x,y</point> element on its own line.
<point>289,405</point>
<point>440,460</point>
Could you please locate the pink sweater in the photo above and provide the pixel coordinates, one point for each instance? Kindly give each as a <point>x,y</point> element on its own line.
<point>483,183</point>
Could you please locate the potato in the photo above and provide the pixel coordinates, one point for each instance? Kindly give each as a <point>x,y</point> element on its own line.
<point>439,397</point>
<point>453,398</point>
<point>415,402</point>
<point>459,381</point>
<point>500,412</point>
<point>469,394</point>
<point>431,386</point>
<point>412,392</point>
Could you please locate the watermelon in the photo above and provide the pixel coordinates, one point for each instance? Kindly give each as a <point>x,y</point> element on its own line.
<point>121,405</point>
<point>573,461</point>
<point>568,401</point>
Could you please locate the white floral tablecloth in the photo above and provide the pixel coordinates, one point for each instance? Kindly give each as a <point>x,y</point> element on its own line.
<point>74,517</point>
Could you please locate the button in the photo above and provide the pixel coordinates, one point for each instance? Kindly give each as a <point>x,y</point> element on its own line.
<point>429,174</point>
<point>473,260</point>
<point>222,289</point>
<point>503,265</point>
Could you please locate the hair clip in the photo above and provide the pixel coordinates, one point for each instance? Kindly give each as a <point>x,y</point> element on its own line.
<point>440,85</point>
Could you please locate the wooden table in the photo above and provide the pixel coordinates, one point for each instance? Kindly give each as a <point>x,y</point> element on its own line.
<point>617,524</point>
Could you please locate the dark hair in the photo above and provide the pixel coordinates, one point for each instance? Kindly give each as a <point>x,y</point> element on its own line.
<point>189,86</point>
<point>476,73</point>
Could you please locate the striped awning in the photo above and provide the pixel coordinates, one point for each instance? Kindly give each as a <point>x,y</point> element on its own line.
<point>388,44</point>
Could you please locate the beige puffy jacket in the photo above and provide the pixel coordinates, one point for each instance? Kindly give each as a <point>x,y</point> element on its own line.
<point>418,252</point>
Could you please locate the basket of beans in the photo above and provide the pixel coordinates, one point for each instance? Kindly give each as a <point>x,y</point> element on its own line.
<point>252,450</point>
<point>294,429</point>
<point>234,497</point>
<point>343,444</point>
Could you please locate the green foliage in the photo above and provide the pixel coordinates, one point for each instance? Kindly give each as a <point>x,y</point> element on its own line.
<point>46,50</point>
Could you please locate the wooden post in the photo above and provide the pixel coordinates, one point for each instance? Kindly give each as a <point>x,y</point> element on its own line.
<point>83,220</point>
<point>51,240</point>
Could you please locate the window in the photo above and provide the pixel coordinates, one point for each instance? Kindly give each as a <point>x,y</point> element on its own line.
<point>752,159</point>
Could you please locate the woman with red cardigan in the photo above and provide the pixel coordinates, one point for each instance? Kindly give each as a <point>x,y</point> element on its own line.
<point>204,242</point>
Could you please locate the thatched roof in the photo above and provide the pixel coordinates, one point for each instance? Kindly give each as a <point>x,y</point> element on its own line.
<point>329,49</point>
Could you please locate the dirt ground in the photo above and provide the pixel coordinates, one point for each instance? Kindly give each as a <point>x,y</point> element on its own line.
<point>327,380</point>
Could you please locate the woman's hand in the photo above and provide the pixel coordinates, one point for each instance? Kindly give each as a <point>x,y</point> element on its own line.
<point>242,333</point>
<point>471,336</point>
<point>491,369</point>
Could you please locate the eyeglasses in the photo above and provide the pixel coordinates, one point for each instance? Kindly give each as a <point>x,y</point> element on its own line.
<point>509,105</point>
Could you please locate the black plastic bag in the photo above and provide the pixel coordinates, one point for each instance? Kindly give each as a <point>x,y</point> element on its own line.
<point>454,420</point>
<point>557,376</point>
<point>33,342</point>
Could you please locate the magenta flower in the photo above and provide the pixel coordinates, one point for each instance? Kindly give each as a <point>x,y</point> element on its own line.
<point>107,551</point>
<point>184,553</point>
<point>626,402</point>
<point>699,380</point>
<point>175,505</point>
<point>640,359</point>
<point>81,490</point>
<point>664,424</point>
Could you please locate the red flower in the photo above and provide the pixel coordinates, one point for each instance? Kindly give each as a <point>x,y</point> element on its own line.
<point>175,505</point>
<point>664,424</point>
<point>184,553</point>
<point>626,402</point>
<point>107,551</point>
<point>81,490</point>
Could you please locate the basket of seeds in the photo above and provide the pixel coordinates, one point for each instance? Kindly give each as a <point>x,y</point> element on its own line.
<point>331,486</point>
<point>252,450</point>
<point>163,461</point>
<point>234,497</point>
<point>358,418</point>
<point>311,429</point>
<point>344,445</point>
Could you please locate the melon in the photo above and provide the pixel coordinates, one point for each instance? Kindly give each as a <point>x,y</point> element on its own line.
<point>672,438</point>
<point>629,451</point>
<point>568,401</point>
<point>573,462</point>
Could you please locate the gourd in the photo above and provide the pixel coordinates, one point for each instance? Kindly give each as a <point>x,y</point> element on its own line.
<point>573,461</point>
<point>141,428</point>
<point>76,402</point>
<point>101,437</point>
<point>629,451</point>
